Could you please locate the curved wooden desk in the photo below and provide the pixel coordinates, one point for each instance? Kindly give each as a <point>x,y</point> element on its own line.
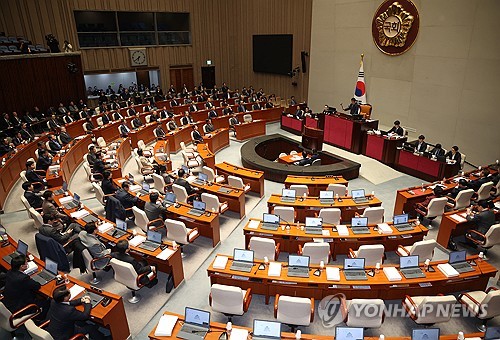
<point>290,239</point>
<point>310,205</point>
<point>112,316</point>
<point>253,177</point>
<point>249,130</point>
<point>315,183</point>
<point>376,287</point>
<point>235,198</point>
<point>207,155</point>
<point>219,139</point>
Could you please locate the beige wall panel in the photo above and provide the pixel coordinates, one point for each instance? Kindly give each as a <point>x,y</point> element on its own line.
<point>384,66</point>
<point>481,76</point>
<point>440,71</point>
<point>396,94</point>
<point>350,13</point>
<point>447,12</point>
<point>444,41</point>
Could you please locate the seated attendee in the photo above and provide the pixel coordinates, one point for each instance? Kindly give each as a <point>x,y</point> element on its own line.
<point>353,107</point>
<point>99,165</point>
<point>67,321</point>
<point>482,217</point>
<point>136,122</point>
<point>159,132</point>
<point>256,106</point>
<point>421,145</point>
<point>17,139</point>
<point>396,129</point>
<point>68,118</point>
<point>306,159</point>
<point>44,160</point>
<point>154,117</point>
<point>124,129</point>
<point>155,210</point>
<point>106,117</point>
<point>33,176</point>
<point>437,151</point>
<point>147,163</point>
<point>208,127</point>
<point>92,155</point>
<point>233,121</point>
<point>73,108</point>
<point>293,101</point>
<point>212,114</point>
<point>241,107</point>
<point>131,111</point>
<point>64,136</point>
<point>299,114</point>
<point>226,110</point>
<point>209,104</point>
<point>187,119</point>
<point>314,155</point>
<point>96,248</point>
<point>53,124</point>
<point>437,192</point>
<point>147,107</point>
<point>26,133</point>
<point>117,116</point>
<point>462,185</point>
<point>454,155</point>
<point>484,178</point>
<point>193,107</point>
<point>196,135</point>
<point>49,206</point>
<point>54,145</point>
<point>6,147</point>
<point>53,228</point>
<point>125,197</point>
<point>34,198</point>
<point>181,180</point>
<point>107,185</point>
<point>171,125</point>
<point>88,125</point>
<point>269,105</point>
<point>141,267</point>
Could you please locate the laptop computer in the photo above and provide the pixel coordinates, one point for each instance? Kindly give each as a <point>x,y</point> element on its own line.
<point>47,274</point>
<point>202,179</point>
<point>425,334</point>
<point>408,266</point>
<point>90,218</point>
<point>270,222</point>
<point>170,199</point>
<point>74,203</point>
<point>359,225</point>
<point>266,330</point>
<point>358,196</point>
<point>95,298</point>
<point>314,225</point>
<point>185,168</point>
<point>130,177</point>
<point>120,230</point>
<point>354,269</point>
<point>145,188</point>
<point>349,333</point>
<point>153,241</point>
<point>242,260</point>
<point>62,190</point>
<point>198,208</point>
<point>22,249</point>
<point>492,333</point>
<point>196,324</point>
<point>458,261</point>
<point>288,195</point>
<point>298,266</point>
<point>326,197</point>
<point>400,222</point>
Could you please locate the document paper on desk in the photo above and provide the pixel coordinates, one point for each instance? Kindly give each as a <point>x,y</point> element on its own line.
<point>135,188</point>
<point>220,262</point>
<point>238,334</point>
<point>64,200</point>
<point>138,239</point>
<point>104,227</point>
<point>333,273</point>
<point>384,228</point>
<point>342,230</point>
<point>79,214</point>
<point>75,291</point>
<point>274,269</point>
<point>165,254</point>
<point>392,274</point>
<point>253,224</point>
<point>447,270</point>
<point>458,218</point>
<point>166,325</point>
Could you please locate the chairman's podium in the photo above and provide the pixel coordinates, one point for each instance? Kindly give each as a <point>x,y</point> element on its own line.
<point>312,138</point>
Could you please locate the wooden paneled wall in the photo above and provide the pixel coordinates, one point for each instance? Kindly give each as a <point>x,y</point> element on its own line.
<point>221,31</point>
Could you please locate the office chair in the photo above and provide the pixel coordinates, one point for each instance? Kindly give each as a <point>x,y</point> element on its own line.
<point>294,311</point>
<point>264,247</point>
<point>229,300</point>
<point>429,310</point>
<point>484,305</point>
<point>372,253</point>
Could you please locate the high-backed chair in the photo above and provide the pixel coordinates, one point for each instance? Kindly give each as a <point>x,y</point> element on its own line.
<point>338,189</point>
<point>300,189</point>
<point>294,311</point>
<point>282,154</point>
<point>145,171</point>
<point>434,209</point>
<point>366,313</point>
<point>38,333</point>
<point>330,215</point>
<point>484,305</point>
<point>264,247</point>
<point>10,322</point>
<point>92,176</point>
<point>375,215</point>
<point>191,152</point>
<point>181,193</point>
<point>365,110</point>
<point>212,176</point>
<point>486,241</point>
<point>92,265</point>
<point>99,194</point>
<point>317,252</point>
<point>428,310</point>
<point>125,274</point>
<point>237,182</point>
<point>213,204</point>
<point>372,253</point>
<point>287,214</point>
<point>159,183</point>
<point>36,217</point>
<point>424,249</point>
<point>195,164</point>
<point>101,142</point>
<point>484,191</point>
<point>25,202</point>
<point>99,121</point>
<point>147,151</point>
<point>462,200</point>
<point>48,247</point>
<point>141,220</point>
<point>178,232</point>
<point>317,161</point>
<point>293,152</point>
<point>147,119</point>
<point>229,300</point>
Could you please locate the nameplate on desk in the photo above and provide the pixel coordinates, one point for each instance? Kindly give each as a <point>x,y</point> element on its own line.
<point>361,287</point>
<point>425,284</point>
<point>220,262</point>
<point>239,277</point>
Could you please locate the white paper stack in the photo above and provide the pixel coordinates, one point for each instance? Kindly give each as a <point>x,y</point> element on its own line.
<point>54,168</point>
<point>392,274</point>
<point>135,187</point>
<point>384,228</point>
<point>75,291</point>
<point>105,227</point>
<point>458,218</point>
<point>220,262</point>
<point>166,325</point>
<point>79,214</point>
<point>448,270</point>
<point>274,269</point>
<point>333,273</point>
<point>253,224</point>
<point>67,199</point>
<point>165,254</point>
<point>32,268</point>
<point>325,232</point>
<point>238,334</point>
<point>342,230</point>
<point>138,239</point>
<point>121,180</point>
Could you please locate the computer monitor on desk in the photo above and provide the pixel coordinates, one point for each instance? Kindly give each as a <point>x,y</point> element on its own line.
<point>425,334</point>
<point>349,333</point>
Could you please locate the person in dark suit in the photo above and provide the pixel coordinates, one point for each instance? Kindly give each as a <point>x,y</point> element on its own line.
<point>454,155</point>
<point>187,119</point>
<point>437,151</point>
<point>64,136</point>
<point>44,161</point>
<point>53,228</point>
<point>181,180</point>
<point>92,156</point>
<point>107,185</point>
<point>422,207</point>
<point>124,129</point>
<point>212,114</point>
<point>193,108</point>
<point>421,145</point>
<point>227,110</point>
<point>159,132</point>
<point>20,290</point>
<point>116,116</point>
<point>136,122</point>
<point>241,108</point>
<point>26,134</point>
<point>6,147</point>
<point>99,165</point>
<point>66,321</point>
<point>147,107</point>
<point>15,121</point>
<point>485,178</point>
<point>54,145</point>
<point>67,119</point>
<point>209,104</point>
<point>34,198</point>
<point>196,135</point>
<point>174,102</point>
<point>5,123</point>
<point>32,176</point>
<point>155,210</point>
<point>17,139</point>
<point>397,129</point>
<point>208,127</point>
<point>125,197</point>
<point>105,117</point>
<point>131,111</point>
<point>140,267</point>
<point>171,125</point>
<point>88,125</point>
<point>306,158</point>
<point>299,114</point>
<point>462,185</point>
<point>482,218</point>
<point>53,123</point>
<point>353,108</point>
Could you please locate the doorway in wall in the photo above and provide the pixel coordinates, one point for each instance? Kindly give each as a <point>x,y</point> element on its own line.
<point>180,75</point>
<point>208,76</point>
